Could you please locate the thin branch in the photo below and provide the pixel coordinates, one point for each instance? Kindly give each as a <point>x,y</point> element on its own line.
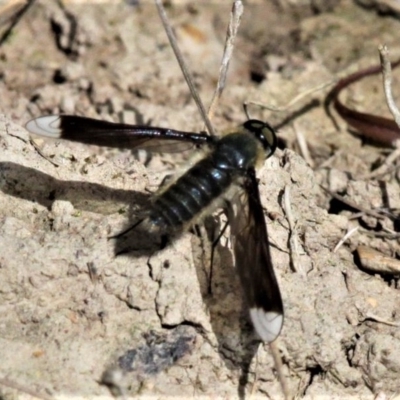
<point>279,369</point>
<point>23,389</point>
<point>375,261</point>
<point>293,101</point>
<point>367,315</point>
<point>293,242</point>
<point>39,151</point>
<point>385,235</point>
<point>387,83</point>
<point>301,140</point>
<point>387,165</point>
<point>344,238</point>
<point>179,56</point>
<point>236,15</point>
<point>352,204</point>
<point>376,318</point>
<point>21,7</point>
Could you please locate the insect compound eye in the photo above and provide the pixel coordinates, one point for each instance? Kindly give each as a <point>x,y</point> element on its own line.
<point>264,133</point>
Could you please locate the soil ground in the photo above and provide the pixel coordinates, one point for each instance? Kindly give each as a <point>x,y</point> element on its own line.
<point>75,320</point>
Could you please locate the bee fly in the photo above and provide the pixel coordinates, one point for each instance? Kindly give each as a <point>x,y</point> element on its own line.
<point>224,178</point>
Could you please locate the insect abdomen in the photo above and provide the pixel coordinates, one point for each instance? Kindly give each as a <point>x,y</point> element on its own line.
<point>205,182</point>
<point>189,195</point>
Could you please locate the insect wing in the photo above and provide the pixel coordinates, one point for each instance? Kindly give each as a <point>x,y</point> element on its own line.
<point>110,134</point>
<point>253,260</point>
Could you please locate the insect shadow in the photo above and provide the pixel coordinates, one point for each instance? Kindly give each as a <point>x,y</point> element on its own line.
<point>33,185</point>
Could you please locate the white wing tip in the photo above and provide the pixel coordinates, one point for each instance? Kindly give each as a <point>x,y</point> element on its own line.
<point>268,325</point>
<point>48,126</point>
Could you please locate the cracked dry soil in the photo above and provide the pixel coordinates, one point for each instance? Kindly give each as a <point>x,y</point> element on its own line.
<point>72,315</point>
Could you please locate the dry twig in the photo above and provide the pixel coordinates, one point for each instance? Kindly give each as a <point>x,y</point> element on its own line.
<point>375,261</point>
<point>387,86</point>
<point>352,204</point>
<point>182,64</point>
<point>293,101</point>
<point>279,369</point>
<point>301,140</point>
<point>345,237</point>
<point>23,389</point>
<point>293,242</point>
<point>387,83</point>
<point>236,15</point>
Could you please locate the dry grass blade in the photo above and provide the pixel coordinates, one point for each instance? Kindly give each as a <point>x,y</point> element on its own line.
<point>185,71</point>
<point>236,15</point>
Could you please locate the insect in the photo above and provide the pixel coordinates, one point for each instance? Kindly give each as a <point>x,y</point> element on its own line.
<point>224,178</point>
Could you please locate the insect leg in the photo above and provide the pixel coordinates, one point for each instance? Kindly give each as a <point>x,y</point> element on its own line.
<point>118,235</point>
<point>213,247</point>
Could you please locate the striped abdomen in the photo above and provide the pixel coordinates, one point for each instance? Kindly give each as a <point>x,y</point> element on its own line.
<point>205,182</point>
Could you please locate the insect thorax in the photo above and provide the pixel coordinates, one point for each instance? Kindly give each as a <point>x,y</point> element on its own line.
<point>199,190</point>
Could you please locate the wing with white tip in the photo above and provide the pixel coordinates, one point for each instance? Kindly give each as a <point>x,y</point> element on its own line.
<point>253,260</point>
<point>110,134</point>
